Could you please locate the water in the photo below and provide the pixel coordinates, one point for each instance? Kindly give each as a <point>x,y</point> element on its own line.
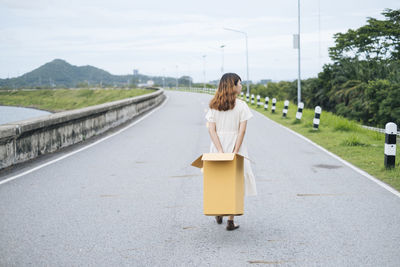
<point>11,114</point>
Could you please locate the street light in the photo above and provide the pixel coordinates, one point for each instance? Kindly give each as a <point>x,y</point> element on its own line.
<point>247,56</point>
<point>176,77</point>
<point>163,78</point>
<point>204,70</point>
<point>222,67</point>
<point>190,79</point>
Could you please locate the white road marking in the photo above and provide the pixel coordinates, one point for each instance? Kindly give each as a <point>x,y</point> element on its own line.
<point>365,174</point>
<point>83,148</point>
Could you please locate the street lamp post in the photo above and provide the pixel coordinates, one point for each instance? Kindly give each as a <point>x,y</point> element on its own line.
<point>163,78</point>
<point>176,77</point>
<point>247,57</point>
<point>222,66</point>
<point>204,71</point>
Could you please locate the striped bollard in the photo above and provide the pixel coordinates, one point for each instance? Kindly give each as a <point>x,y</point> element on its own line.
<point>273,105</point>
<point>299,113</point>
<point>390,144</point>
<point>241,95</point>
<point>247,97</point>
<point>252,99</point>
<point>316,117</point>
<point>258,101</point>
<point>266,103</point>
<point>285,108</point>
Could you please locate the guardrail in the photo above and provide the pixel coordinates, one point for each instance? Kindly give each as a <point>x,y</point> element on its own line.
<point>378,130</point>
<point>27,139</point>
<point>193,89</point>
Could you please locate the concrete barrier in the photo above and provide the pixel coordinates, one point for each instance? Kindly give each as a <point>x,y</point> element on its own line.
<point>24,140</point>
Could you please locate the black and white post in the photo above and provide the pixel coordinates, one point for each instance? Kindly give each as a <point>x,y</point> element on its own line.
<point>252,99</point>
<point>285,108</point>
<point>273,105</point>
<point>241,95</point>
<point>247,97</point>
<point>266,103</point>
<point>390,144</point>
<point>299,113</point>
<point>258,101</point>
<point>316,117</point>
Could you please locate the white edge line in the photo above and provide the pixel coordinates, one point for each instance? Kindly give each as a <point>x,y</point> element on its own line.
<point>83,148</point>
<point>365,174</point>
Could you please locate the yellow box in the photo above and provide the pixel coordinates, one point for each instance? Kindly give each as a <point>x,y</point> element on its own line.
<point>223,183</point>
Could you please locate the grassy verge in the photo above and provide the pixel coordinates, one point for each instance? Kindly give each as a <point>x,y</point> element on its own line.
<point>347,139</point>
<point>65,99</point>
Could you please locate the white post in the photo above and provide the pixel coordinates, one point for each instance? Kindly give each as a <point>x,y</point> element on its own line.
<point>266,103</point>
<point>317,117</point>
<point>285,107</point>
<point>273,105</point>
<point>299,113</point>
<point>390,144</point>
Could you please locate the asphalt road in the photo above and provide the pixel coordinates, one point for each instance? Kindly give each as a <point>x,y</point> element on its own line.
<point>134,200</point>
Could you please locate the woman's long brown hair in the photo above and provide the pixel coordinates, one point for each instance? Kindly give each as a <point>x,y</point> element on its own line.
<point>225,97</point>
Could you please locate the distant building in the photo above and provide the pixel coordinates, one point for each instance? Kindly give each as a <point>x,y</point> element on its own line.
<point>135,72</point>
<point>214,82</point>
<point>245,82</point>
<point>149,83</point>
<point>265,81</point>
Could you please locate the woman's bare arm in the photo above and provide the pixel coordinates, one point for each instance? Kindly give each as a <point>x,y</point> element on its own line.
<point>239,140</point>
<point>212,129</point>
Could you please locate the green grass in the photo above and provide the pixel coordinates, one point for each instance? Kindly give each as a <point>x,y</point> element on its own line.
<point>66,99</point>
<point>346,138</point>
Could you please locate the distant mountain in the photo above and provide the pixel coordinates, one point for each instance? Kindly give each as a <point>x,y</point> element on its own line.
<point>59,73</point>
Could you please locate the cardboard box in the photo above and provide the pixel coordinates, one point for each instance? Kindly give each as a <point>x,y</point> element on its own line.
<point>223,183</point>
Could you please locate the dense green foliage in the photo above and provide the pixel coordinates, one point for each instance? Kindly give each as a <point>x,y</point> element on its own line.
<point>362,83</point>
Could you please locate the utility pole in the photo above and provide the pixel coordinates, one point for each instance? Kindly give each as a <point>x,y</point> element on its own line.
<point>319,35</point>
<point>299,76</point>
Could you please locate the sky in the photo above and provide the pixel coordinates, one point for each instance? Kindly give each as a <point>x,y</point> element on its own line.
<point>175,38</point>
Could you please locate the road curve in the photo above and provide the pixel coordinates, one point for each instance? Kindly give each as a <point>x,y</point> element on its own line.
<point>134,200</point>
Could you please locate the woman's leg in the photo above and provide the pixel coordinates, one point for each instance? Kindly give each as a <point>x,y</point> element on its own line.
<point>231,217</point>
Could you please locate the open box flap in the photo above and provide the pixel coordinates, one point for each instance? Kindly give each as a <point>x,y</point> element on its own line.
<point>198,162</point>
<point>215,157</point>
<point>218,156</point>
<point>222,156</point>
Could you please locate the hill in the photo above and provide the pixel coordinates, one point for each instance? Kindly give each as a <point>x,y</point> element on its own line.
<point>59,73</point>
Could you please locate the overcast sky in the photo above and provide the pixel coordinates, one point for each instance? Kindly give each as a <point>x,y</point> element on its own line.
<point>157,36</point>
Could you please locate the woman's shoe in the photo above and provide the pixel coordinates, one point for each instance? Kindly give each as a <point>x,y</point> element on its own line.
<point>218,219</point>
<point>231,225</point>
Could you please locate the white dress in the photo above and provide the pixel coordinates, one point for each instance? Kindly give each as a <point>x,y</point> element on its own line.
<point>227,126</point>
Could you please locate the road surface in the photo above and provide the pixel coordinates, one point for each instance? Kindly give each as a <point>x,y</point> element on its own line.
<point>134,200</point>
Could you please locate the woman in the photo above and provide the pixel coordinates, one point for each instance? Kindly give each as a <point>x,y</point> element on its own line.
<point>227,121</point>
